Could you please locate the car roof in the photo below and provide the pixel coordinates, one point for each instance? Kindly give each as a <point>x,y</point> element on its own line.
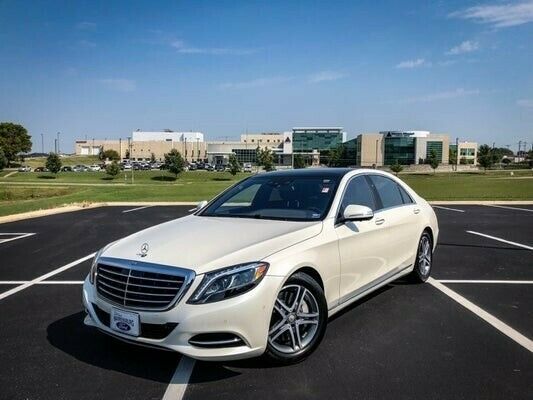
<point>314,172</point>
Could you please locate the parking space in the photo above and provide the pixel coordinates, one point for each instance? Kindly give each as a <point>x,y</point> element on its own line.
<point>406,341</point>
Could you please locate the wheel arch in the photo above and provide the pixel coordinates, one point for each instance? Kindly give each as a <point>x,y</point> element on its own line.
<point>312,272</point>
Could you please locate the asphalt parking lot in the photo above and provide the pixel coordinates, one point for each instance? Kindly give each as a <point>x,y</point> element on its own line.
<point>406,341</point>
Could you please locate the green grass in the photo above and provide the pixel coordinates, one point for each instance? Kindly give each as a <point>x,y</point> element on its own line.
<point>70,160</point>
<point>29,191</point>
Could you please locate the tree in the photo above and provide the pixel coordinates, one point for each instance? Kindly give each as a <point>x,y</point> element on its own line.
<point>3,160</point>
<point>127,155</point>
<point>152,158</point>
<point>14,139</point>
<point>335,156</point>
<point>485,156</point>
<point>112,169</point>
<point>53,163</point>
<point>299,161</point>
<point>234,165</point>
<point>452,156</point>
<point>433,160</point>
<point>175,162</point>
<point>101,155</point>
<point>396,168</point>
<point>111,155</point>
<point>265,158</point>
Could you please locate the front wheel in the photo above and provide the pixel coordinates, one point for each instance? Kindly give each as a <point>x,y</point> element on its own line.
<point>424,259</point>
<point>298,320</point>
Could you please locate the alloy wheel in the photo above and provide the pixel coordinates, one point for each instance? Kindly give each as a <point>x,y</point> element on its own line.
<point>424,255</point>
<point>295,319</point>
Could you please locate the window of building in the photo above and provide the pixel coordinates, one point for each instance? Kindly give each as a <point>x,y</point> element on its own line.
<point>467,152</point>
<point>358,192</point>
<point>399,149</point>
<point>388,191</point>
<point>436,147</point>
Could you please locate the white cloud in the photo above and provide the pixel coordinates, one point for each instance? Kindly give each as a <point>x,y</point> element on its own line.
<point>182,48</point>
<point>324,76</point>
<point>499,16</point>
<point>468,46</point>
<point>446,95</point>
<point>527,103</point>
<point>254,83</point>
<point>120,85</point>
<point>86,26</point>
<point>419,62</point>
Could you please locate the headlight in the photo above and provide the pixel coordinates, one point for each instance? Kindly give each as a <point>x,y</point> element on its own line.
<point>229,282</point>
<point>92,271</point>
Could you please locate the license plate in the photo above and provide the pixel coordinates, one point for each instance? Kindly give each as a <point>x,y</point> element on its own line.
<point>125,322</point>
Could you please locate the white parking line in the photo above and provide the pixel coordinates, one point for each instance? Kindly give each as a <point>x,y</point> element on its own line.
<point>450,209</point>
<point>42,283</point>
<point>45,276</point>
<point>489,318</point>
<point>19,236</point>
<point>509,208</point>
<point>135,209</point>
<point>178,384</point>
<point>485,281</point>
<point>501,240</point>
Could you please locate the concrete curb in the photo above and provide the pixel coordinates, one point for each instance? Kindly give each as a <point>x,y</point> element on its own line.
<point>78,207</point>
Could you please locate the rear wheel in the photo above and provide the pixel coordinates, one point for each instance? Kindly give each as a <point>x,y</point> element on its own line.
<point>298,320</point>
<point>424,259</point>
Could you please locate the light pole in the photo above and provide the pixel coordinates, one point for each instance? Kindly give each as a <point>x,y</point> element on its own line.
<point>377,141</point>
<point>42,143</point>
<point>58,148</point>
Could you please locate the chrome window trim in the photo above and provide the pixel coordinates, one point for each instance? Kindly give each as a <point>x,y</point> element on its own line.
<point>188,276</point>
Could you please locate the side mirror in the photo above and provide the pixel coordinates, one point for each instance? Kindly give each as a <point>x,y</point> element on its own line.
<point>199,206</point>
<point>356,212</point>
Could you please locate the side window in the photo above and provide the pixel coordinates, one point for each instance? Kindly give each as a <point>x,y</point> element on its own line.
<point>388,190</point>
<point>358,192</point>
<point>405,196</point>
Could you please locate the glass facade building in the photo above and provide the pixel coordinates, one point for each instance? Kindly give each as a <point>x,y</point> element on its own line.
<point>434,146</point>
<point>399,148</point>
<point>305,140</point>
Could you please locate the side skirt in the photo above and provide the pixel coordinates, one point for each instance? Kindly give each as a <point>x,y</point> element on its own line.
<point>369,288</point>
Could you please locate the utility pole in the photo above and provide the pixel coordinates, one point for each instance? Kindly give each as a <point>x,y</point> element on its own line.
<point>456,154</point>
<point>42,143</point>
<point>58,148</point>
<point>55,146</point>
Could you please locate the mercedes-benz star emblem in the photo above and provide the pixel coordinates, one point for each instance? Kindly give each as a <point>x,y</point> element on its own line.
<point>144,249</point>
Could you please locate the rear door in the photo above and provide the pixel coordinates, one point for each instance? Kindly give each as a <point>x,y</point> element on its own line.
<point>361,243</point>
<point>398,215</point>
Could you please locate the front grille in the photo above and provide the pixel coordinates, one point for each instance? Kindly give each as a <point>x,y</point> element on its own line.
<point>138,289</point>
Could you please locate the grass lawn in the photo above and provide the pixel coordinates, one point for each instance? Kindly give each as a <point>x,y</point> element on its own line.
<point>22,192</point>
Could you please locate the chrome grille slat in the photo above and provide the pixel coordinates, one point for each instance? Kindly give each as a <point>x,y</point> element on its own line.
<point>138,288</point>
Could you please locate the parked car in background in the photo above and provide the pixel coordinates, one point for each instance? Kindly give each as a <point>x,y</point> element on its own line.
<point>220,168</point>
<point>247,167</point>
<point>80,168</point>
<point>24,168</point>
<point>40,169</point>
<point>66,168</point>
<point>298,246</point>
<point>209,167</point>
<point>193,166</point>
<point>95,168</point>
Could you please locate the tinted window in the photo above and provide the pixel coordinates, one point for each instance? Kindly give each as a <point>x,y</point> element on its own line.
<point>388,191</point>
<point>405,196</point>
<point>284,196</point>
<point>358,192</point>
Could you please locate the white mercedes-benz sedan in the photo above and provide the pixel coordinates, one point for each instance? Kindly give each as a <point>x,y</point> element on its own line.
<point>260,268</point>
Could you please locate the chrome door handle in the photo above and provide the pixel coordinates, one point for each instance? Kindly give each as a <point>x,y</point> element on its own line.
<point>379,221</point>
<point>416,210</point>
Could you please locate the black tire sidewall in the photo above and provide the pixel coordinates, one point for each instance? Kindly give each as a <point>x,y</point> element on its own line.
<point>310,284</point>
<point>420,276</point>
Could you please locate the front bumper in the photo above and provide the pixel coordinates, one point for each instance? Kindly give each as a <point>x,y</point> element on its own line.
<point>247,316</point>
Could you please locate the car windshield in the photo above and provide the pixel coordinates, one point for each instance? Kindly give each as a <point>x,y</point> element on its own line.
<point>279,197</point>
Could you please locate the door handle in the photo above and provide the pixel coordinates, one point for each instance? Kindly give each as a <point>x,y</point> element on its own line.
<point>416,210</point>
<point>379,221</point>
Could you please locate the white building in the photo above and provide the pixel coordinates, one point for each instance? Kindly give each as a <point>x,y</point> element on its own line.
<point>168,136</point>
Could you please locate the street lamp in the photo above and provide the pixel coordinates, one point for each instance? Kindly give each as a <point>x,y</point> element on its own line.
<point>58,148</point>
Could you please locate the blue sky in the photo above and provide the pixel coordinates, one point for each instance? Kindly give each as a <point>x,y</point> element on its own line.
<point>105,68</point>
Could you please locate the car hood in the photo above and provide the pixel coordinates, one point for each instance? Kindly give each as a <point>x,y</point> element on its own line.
<point>207,243</point>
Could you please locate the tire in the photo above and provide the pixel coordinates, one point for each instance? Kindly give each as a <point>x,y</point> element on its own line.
<point>424,259</point>
<point>295,332</point>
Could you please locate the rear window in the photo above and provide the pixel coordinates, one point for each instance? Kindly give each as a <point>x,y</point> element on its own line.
<point>388,191</point>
